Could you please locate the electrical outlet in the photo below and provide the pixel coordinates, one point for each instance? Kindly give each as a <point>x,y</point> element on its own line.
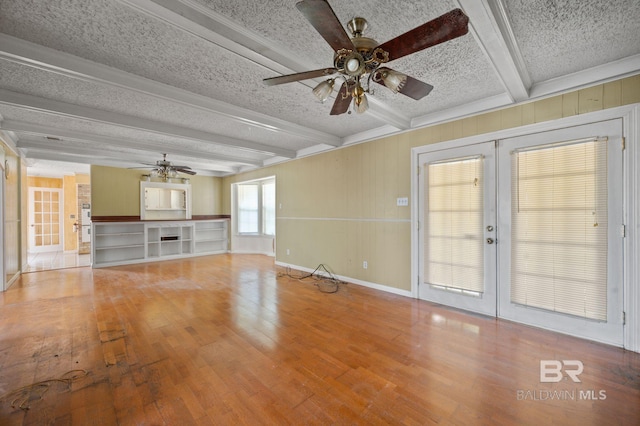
<point>365,265</point>
<point>402,201</point>
<point>288,252</point>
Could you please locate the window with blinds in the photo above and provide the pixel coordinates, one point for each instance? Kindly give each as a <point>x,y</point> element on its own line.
<point>256,207</point>
<point>453,239</point>
<point>269,208</point>
<point>559,228</point>
<point>248,208</point>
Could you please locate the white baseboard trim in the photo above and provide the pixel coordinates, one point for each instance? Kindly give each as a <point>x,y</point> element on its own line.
<point>252,252</point>
<point>368,284</point>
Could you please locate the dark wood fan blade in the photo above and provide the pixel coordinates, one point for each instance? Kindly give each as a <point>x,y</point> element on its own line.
<point>412,87</point>
<point>320,14</point>
<point>446,27</point>
<point>290,78</point>
<point>416,89</point>
<point>183,170</point>
<point>343,100</point>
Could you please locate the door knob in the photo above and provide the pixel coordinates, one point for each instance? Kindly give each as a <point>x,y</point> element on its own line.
<point>489,240</point>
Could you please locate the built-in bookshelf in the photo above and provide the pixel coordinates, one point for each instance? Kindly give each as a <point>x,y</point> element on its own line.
<point>119,243</point>
<point>211,236</point>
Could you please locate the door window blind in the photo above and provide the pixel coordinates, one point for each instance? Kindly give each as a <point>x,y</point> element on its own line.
<point>453,238</point>
<point>559,228</point>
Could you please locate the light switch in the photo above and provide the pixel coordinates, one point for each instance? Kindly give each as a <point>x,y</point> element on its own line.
<point>402,201</point>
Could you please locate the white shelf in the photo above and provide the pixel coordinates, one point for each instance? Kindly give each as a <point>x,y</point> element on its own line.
<point>211,236</point>
<point>119,247</point>
<point>119,243</point>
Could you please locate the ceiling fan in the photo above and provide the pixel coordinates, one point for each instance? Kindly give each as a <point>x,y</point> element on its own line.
<point>165,170</point>
<point>358,60</point>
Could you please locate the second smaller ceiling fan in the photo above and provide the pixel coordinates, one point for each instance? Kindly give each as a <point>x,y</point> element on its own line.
<point>165,170</point>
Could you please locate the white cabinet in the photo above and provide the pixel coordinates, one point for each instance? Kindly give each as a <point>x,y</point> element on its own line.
<point>211,236</point>
<point>174,239</point>
<point>119,243</point>
<point>165,201</point>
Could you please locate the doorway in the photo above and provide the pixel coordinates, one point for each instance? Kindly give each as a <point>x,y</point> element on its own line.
<point>527,229</point>
<point>58,193</point>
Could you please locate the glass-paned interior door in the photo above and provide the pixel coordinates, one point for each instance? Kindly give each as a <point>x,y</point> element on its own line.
<point>457,227</point>
<point>45,219</point>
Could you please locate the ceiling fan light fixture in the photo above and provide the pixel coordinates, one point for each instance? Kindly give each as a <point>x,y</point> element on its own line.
<point>360,99</point>
<point>323,90</point>
<point>393,80</point>
<point>362,104</point>
<point>352,62</point>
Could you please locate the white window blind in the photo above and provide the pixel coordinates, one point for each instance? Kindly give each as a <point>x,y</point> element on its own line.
<point>559,228</point>
<point>269,208</point>
<point>454,245</point>
<point>248,208</point>
<point>256,207</point>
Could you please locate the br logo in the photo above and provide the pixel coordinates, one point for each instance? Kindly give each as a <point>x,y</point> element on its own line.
<point>553,371</point>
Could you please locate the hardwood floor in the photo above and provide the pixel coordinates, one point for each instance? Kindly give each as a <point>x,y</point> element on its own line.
<point>224,340</point>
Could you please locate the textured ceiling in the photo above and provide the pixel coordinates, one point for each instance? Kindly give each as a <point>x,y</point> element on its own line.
<point>120,82</point>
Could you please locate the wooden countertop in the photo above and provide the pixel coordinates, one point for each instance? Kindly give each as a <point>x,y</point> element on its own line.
<point>137,218</point>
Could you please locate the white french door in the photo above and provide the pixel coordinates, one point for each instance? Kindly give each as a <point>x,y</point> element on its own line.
<point>561,213</point>
<point>527,229</point>
<point>457,222</point>
<point>45,219</point>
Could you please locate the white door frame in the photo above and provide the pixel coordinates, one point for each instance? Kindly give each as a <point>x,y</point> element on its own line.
<point>2,211</point>
<point>631,130</point>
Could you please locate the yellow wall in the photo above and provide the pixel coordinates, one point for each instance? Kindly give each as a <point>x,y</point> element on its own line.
<point>339,208</point>
<point>206,195</point>
<point>116,192</point>
<point>44,182</point>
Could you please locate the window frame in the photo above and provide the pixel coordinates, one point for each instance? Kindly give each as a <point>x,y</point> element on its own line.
<point>260,183</point>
